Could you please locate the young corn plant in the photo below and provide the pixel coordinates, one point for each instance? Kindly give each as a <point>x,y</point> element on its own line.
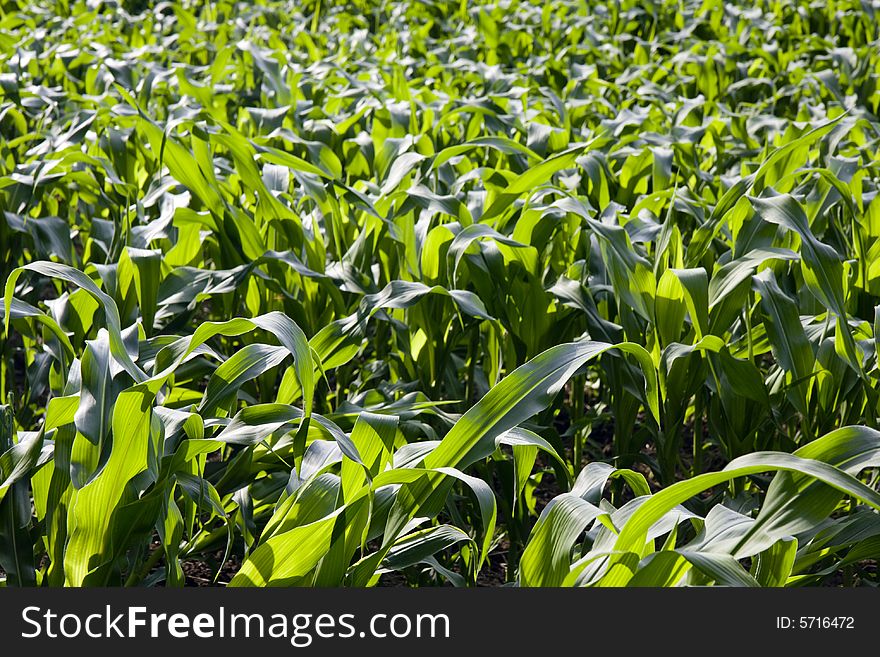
<point>423,294</point>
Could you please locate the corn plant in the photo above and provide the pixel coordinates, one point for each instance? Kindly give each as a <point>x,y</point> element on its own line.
<point>424,294</point>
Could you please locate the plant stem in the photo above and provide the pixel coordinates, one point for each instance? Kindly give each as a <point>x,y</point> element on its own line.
<point>697,465</point>
<point>577,412</point>
<point>138,575</point>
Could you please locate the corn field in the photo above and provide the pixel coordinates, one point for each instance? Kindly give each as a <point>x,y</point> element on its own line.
<point>440,294</point>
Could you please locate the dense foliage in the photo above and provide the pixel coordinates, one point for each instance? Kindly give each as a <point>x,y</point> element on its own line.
<point>549,293</point>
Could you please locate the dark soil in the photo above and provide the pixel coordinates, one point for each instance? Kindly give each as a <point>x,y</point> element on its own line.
<point>495,572</point>
<point>392,579</point>
<point>202,572</point>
